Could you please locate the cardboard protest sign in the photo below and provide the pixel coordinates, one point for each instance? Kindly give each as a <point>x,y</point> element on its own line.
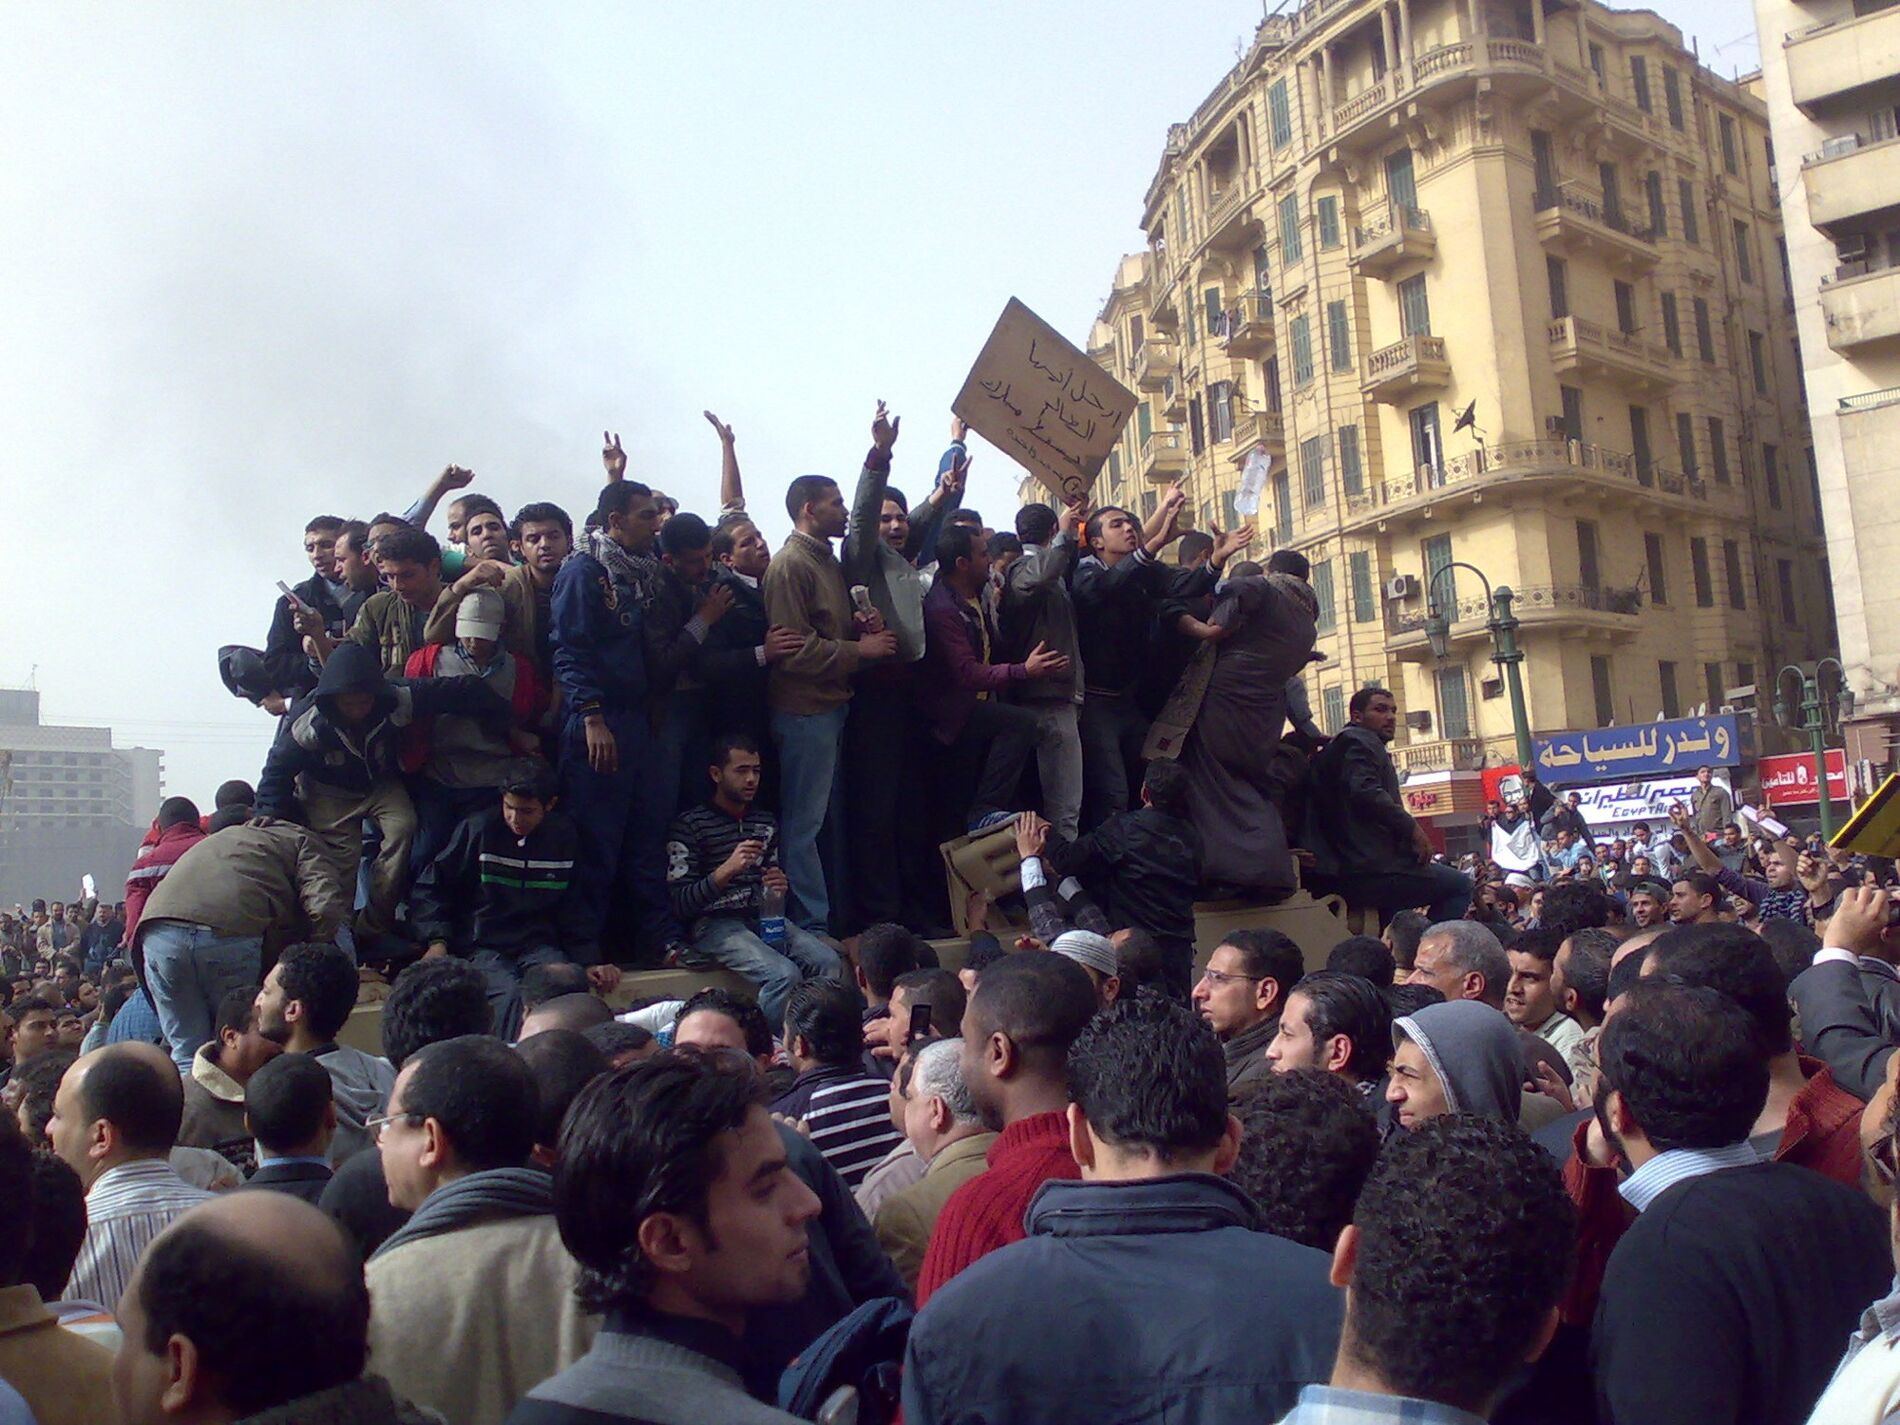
<point>1035,396</point>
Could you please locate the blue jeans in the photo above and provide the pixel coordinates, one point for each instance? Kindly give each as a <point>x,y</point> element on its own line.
<point>808,746</point>
<point>737,946</point>
<point>189,968</point>
<point>503,973</point>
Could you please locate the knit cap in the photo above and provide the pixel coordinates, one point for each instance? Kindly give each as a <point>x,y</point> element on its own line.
<point>1089,950</point>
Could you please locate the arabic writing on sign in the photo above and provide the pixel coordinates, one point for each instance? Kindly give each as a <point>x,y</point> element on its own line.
<point>1032,393</point>
<point>1642,750</point>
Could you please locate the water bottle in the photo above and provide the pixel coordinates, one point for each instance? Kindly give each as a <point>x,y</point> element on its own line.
<point>772,916</point>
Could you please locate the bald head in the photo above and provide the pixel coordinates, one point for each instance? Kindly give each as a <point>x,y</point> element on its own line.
<point>115,1105</point>
<point>579,1013</point>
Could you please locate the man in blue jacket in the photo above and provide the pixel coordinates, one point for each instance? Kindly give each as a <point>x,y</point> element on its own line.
<point>1146,1288</point>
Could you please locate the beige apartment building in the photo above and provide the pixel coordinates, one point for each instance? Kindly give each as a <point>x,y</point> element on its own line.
<point>1392,211</point>
<point>1831,79</point>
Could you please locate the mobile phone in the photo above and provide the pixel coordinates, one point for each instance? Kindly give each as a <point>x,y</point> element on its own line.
<point>291,594</point>
<point>919,1023</point>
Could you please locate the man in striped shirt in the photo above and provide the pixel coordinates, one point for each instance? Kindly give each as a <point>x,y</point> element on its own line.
<point>115,1119</point>
<point>846,1113</point>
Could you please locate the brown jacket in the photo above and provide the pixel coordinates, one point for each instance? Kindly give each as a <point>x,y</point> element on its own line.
<point>905,1220</point>
<point>805,590</point>
<point>520,617</point>
<point>64,1378</point>
<point>383,625</point>
<point>253,880</point>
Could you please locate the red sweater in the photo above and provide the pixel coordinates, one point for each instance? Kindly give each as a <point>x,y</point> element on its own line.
<point>153,862</point>
<point>987,1211</point>
<point>1822,1134</point>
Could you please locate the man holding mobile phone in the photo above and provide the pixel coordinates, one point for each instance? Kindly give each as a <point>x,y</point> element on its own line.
<point>325,603</point>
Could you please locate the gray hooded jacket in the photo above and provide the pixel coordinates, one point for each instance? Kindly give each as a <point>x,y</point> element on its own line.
<point>1474,1051</point>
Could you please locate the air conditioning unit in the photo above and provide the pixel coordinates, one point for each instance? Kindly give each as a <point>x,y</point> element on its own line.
<point>1402,586</point>
<point>1553,425</point>
<point>1419,721</point>
<point>1489,688</point>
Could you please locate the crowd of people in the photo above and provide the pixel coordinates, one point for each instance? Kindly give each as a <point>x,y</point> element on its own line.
<point>1582,1129</point>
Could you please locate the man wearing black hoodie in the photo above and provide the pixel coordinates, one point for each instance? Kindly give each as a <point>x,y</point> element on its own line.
<point>338,751</point>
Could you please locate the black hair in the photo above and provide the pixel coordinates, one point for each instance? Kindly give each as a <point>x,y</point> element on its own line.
<point>1362,699</point>
<point>323,524</point>
<point>1703,884</point>
<point>1036,524</point>
<point>572,1011</point>
<point>955,542</point>
<point>617,497</point>
<point>1307,1142</point>
<point>482,1094</point>
<point>1003,542</point>
<point>322,978</point>
<point>804,490</point>
<point>554,980</point>
<point>1167,786</point>
<point>541,512</point>
<point>1339,1003</point>
<point>615,1038</point>
<point>57,1217</point>
<point>264,1334</point>
<point>1193,544</point>
<point>741,1011</point>
<point>1624,974</point>
<point>1366,956</point>
<point>409,545</point>
<point>234,793</point>
<point>683,533</point>
<point>473,505</point>
<point>37,1082</point>
<point>1267,954</point>
<point>987,950</point>
<point>534,780</point>
<point>885,951</point>
<point>356,532</point>
<point>1688,1062</point>
<point>1570,906</point>
<point>1736,962</point>
<point>433,1000</point>
<point>1092,531</point>
<point>1407,928</point>
<point>1404,999</point>
<point>824,1013</point>
<point>1140,962</point>
<point>225,818</point>
<point>966,516</point>
<point>728,743</point>
<point>563,1063</point>
<point>643,1139</point>
<point>942,991</point>
<point>725,537</point>
<point>16,1187</point>
<point>1587,971</point>
<point>1465,1241</point>
<point>176,811</point>
<point>1149,1075</point>
<point>1289,561</point>
<point>1040,1003</point>
<point>1541,943</point>
<point>144,1101</point>
<point>895,496</point>
<point>284,1101</point>
<point>1793,945</point>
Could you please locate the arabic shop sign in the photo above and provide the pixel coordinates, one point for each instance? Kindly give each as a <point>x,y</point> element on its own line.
<point>1648,750</point>
<point>1042,402</point>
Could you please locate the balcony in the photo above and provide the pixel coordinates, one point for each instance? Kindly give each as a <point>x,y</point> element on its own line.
<point>1174,401</point>
<point>1580,348</point>
<point>1851,179</point>
<point>1543,473</point>
<point>1393,240</point>
<point>1231,226</point>
<point>1256,428</point>
<point>1164,315</point>
<point>1512,69</point>
<point>1450,754</point>
<point>1828,63</point>
<point>1417,363</point>
<point>1154,363</point>
<point>1612,613</point>
<point>1861,309</point>
<point>1164,457</point>
<point>1574,220</point>
<point>1250,325</point>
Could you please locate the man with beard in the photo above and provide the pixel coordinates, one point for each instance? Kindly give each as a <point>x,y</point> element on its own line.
<point>306,1000</point>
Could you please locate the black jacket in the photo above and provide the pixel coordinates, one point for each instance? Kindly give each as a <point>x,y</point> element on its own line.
<point>1357,822</point>
<point>304,1180</point>
<point>729,663</point>
<point>489,889</point>
<point>1142,867</point>
<point>1850,1020</point>
<point>1115,611</point>
<point>284,659</point>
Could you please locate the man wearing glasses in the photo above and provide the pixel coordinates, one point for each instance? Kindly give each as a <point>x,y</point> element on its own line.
<point>1240,995</point>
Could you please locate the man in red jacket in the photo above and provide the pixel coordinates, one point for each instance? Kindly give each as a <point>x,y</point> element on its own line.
<point>179,829</point>
<point>1017,1029</point>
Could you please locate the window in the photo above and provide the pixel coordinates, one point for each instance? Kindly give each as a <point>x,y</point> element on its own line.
<point>1415,313</point>
<point>1216,312</point>
<point>1666,675</point>
<point>1546,168</point>
<point>1573,411</point>
<point>1359,574</point>
<point>1302,349</point>
<point>1699,566</point>
<point>1290,249</point>
<point>1685,443</point>
<point>1787,273</point>
<point>1704,333</point>
<point>1230,516</point>
<point>1744,673</point>
<point>1197,428</point>
<point>1731,156</point>
<point>1600,688</point>
<point>1557,274</point>
<point>1220,411</point>
<point>1437,552</point>
<point>1272,373</point>
<point>1639,445</point>
<point>1758,362</point>
<point>1771,474</point>
<point>1589,564</point>
<point>1427,452</point>
<point>1144,421</point>
<point>1685,199</point>
<point>1672,97</point>
<point>1625,308</point>
<point>1612,194</point>
<point>1351,474</point>
<point>1338,338</point>
<point>1672,324</point>
<point>1744,260</point>
<point>1401,186</point>
<point>1718,449</point>
<point>1712,684</point>
<point>1658,214</point>
<point>1192,335</point>
<point>1639,82</point>
<point>1313,471</point>
<point>1282,509</point>
<point>1596,62</point>
<point>1333,707</point>
<point>1114,468</point>
<point>1814,493</point>
<point>1732,566</point>
<point>1658,578</point>
<point>1326,616</point>
<point>1784,581</point>
<point>1454,710</point>
<point>1328,219</point>
<point>1279,115</point>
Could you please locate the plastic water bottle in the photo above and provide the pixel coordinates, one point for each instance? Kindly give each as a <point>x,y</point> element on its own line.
<point>772,916</point>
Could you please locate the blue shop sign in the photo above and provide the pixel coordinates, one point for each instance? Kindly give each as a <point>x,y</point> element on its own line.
<point>1648,750</point>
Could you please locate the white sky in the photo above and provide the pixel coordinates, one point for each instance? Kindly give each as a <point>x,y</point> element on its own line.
<point>267,261</point>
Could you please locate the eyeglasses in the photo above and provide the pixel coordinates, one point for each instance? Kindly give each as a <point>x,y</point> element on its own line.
<point>1221,977</point>
<point>1883,1156</point>
<point>373,1129</point>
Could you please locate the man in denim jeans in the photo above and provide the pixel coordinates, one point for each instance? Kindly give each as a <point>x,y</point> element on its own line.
<point>720,859</point>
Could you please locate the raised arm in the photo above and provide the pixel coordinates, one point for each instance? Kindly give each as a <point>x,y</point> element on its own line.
<point>454,477</point>
<point>731,488</point>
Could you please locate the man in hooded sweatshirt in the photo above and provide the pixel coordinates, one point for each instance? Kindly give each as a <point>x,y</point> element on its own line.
<point>305,1001</point>
<point>1461,1056</point>
<point>339,752</point>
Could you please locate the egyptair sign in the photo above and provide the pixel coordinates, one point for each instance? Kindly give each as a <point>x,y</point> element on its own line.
<point>1035,396</point>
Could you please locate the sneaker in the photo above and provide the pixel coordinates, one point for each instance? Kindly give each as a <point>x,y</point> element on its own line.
<point>681,956</point>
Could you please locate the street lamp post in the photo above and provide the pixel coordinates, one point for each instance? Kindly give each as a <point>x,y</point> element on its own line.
<point>1815,721</point>
<point>1506,654</point>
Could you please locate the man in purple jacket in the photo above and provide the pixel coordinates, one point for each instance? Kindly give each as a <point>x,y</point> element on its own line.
<point>960,690</point>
